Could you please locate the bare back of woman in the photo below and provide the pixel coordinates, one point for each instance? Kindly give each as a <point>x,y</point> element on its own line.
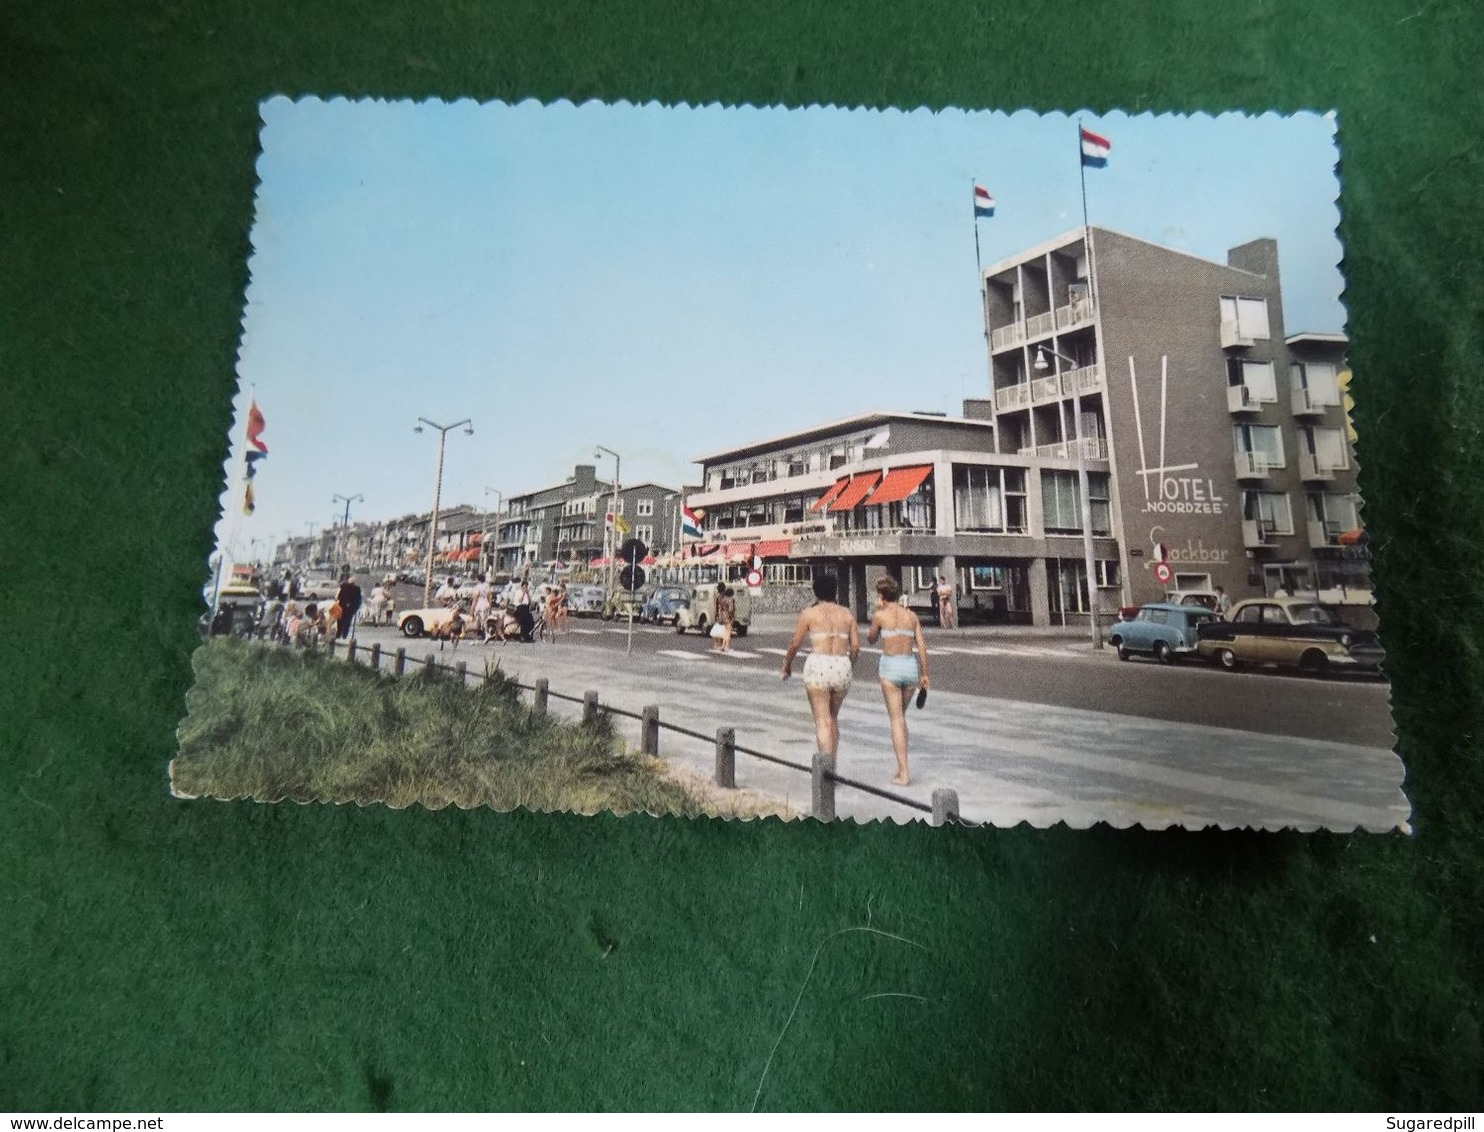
<point>834,643</point>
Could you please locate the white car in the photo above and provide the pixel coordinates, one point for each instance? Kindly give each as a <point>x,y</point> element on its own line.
<point>417,622</point>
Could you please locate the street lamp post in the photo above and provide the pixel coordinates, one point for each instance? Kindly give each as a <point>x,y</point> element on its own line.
<point>1085,494</point>
<point>344,523</point>
<point>610,541</point>
<point>443,431</point>
<point>484,538</point>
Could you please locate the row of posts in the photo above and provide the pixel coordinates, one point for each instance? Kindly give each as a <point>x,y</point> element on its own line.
<point>822,770</point>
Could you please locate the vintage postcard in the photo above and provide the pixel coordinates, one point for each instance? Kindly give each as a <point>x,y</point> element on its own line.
<point>956,466</point>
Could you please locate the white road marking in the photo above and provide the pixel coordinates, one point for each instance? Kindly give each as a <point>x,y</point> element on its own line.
<point>681,654</point>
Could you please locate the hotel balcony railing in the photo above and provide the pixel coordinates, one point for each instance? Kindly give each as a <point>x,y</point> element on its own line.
<point>1254,465</point>
<point>1312,468</point>
<point>1325,533</point>
<point>1074,314</point>
<point>1239,399</point>
<point>1011,334</point>
<point>1257,533</point>
<point>1045,389</point>
<point>1039,325</point>
<point>1084,379</point>
<point>1304,403</point>
<point>1012,396</point>
<point>1093,448</point>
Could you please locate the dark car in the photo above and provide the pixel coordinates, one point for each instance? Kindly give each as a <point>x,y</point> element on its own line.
<point>664,605</point>
<point>1288,631</point>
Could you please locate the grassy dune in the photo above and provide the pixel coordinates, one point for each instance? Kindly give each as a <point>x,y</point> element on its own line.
<point>273,724</point>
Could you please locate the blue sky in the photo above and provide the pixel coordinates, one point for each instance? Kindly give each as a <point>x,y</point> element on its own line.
<point>666,282</point>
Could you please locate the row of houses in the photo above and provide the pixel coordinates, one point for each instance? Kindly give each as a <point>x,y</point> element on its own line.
<point>1216,448</point>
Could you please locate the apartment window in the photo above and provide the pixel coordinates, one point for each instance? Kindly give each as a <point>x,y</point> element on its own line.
<point>645,534</point>
<point>1015,504</point>
<point>1338,513</point>
<point>1320,380</point>
<point>978,503</point>
<point>1061,508</point>
<point>793,509</point>
<point>1271,509</point>
<point>1327,446</point>
<point>836,458</point>
<point>798,464</point>
<point>986,577</point>
<point>1250,316</point>
<point>643,508</point>
<point>1262,441</point>
<point>1258,377</point>
<point>1107,573</point>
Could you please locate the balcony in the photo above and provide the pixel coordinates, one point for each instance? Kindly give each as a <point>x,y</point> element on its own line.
<point>1254,465</point>
<point>1074,314</point>
<point>1093,448</point>
<point>1311,469</point>
<point>1012,397</point>
<point>1011,334</point>
<point>1304,404</point>
<point>1085,379</point>
<point>1257,533</point>
<point>1040,325</point>
<point>1239,399</point>
<point>1045,389</point>
<point>1322,534</point>
<point>1232,337</point>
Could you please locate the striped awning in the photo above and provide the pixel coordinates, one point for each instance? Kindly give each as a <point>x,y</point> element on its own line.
<point>900,483</point>
<point>860,487</point>
<point>828,497</point>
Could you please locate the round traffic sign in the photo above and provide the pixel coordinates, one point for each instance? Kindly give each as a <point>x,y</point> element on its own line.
<point>1163,572</point>
<point>632,577</point>
<point>633,551</point>
<point>754,578</point>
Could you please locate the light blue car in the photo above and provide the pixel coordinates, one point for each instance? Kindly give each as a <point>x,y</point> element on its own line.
<point>1163,631</point>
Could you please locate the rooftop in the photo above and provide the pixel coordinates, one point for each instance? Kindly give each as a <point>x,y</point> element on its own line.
<point>1075,234</point>
<point>845,424</point>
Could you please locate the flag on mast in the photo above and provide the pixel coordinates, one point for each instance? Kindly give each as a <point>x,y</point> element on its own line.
<point>983,202</point>
<point>690,525</point>
<point>255,426</point>
<point>1095,148</point>
<point>249,501</point>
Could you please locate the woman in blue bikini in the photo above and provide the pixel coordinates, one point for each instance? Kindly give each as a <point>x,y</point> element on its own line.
<point>901,673</point>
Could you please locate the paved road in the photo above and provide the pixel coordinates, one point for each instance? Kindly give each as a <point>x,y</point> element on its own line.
<point>1025,728</point>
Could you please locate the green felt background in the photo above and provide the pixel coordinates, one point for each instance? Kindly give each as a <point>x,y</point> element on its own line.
<point>156,954</point>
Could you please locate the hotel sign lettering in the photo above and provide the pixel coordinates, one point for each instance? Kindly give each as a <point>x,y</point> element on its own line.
<point>1175,490</point>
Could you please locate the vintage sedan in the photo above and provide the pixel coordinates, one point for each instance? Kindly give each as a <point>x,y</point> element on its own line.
<point>1163,630</point>
<point>1290,631</point>
<point>436,620</point>
<point>664,605</point>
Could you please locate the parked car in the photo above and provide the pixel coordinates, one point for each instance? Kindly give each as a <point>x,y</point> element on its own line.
<point>322,588</point>
<point>1288,631</point>
<point>416,622</point>
<point>586,600</point>
<point>663,606</point>
<point>620,603</point>
<point>1205,599</point>
<point>1163,630</point>
<point>238,608</point>
<point>700,612</point>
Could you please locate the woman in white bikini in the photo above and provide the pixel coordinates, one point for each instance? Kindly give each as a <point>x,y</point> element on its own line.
<point>834,643</point>
<point>900,672</point>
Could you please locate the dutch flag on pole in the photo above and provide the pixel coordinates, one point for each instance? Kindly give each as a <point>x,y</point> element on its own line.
<point>983,202</point>
<point>690,526</point>
<point>1094,148</point>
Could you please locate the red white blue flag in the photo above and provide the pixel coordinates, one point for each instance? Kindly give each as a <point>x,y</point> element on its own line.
<point>983,202</point>
<point>690,526</point>
<point>1095,148</point>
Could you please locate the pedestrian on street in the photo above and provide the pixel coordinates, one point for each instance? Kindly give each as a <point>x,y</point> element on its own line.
<point>834,643</point>
<point>377,605</point>
<point>900,673</point>
<point>726,614</point>
<point>448,593</point>
<point>1223,603</point>
<point>348,598</point>
<point>483,606</point>
<point>523,615</point>
<point>947,611</point>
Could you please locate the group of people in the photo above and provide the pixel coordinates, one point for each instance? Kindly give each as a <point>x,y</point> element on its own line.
<point>835,646</point>
<point>284,619</point>
<point>508,614</point>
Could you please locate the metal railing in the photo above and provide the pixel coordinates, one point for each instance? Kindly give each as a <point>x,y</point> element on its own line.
<point>1012,396</point>
<point>943,809</point>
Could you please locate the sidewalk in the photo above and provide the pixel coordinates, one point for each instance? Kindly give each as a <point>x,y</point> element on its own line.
<point>1009,761</point>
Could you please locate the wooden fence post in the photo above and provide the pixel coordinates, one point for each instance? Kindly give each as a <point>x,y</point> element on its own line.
<point>376,657</point>
<point>463,670</point>
<point>330,647</point>
<point>430,666</point>
<point>726,757</point>
<point>350,651</point>
<point>401,666</point>
<point>540,696</point>
<point>822,787</point>
<point>590,707</point>
<point>945,806</point>
<point>649,730</point>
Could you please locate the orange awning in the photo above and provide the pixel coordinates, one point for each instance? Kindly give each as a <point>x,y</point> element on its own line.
<point>859,487</point>
<point>774,548</point>
<point>900,483</point>
<point>829,497</point>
